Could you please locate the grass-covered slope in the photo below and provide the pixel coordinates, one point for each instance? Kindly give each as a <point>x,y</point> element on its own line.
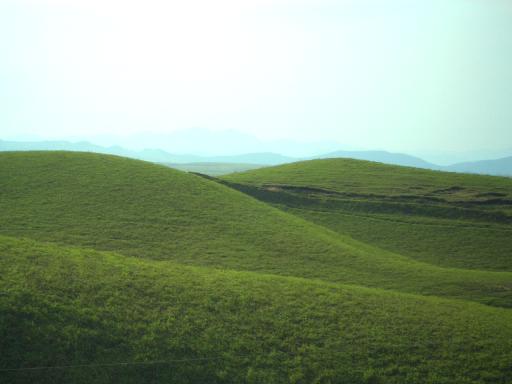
<point>369,178</point>
<point>149,211</point>
<point>447,219</point>
<point>112,203</point>
<point>91,310</point>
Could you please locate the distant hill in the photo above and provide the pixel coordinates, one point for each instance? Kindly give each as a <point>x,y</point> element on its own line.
<point>214,169</point>
<point>382,157</point>
<point>499,167</point>
<point>211,143</point>
<point>490,167</point>
<point>267,158</point>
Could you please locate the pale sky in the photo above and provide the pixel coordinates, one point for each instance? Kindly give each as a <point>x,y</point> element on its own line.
<point>402,75</point>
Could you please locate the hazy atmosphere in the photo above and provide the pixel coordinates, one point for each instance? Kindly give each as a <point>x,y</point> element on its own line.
<point>430,78</point>
<point>247,192</point>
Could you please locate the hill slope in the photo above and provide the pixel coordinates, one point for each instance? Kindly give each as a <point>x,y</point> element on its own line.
<point>447,219</point>
<point>144,210</point>
<point>370,178</point>
<point>116,270</point>
<point>94,311</point>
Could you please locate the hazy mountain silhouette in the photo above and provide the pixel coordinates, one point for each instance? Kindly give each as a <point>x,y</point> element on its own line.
<point>155,155</point>
<point>501,167</point>
<point>490,167</point>
<point>383,157</point>
<point>208,143</point>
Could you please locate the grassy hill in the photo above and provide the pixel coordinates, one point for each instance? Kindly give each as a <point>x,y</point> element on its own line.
<point>67,306</point>
<point>446,219</point>
<point>366,178</point>
<point>105,260</point>
<point>150,211</point>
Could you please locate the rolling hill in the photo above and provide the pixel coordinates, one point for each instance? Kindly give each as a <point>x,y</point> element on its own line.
<point>446,219</point>
<point>108,260</point>
<point>95,311</point>
<point>366,177</point>
<point>146,210</point>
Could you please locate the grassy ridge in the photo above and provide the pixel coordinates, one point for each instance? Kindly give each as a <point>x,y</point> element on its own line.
<point>96,307</point>
<point>149,211</point>
<point>450,220</point>
<point>370,178</point>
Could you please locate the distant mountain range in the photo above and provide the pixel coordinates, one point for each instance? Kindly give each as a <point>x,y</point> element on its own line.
<point>208,143</point>
<point>154,155</point>
<point>383,157</point>
<point>500,167</point>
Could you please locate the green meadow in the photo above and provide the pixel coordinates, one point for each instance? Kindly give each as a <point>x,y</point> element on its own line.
<point>324,271</point>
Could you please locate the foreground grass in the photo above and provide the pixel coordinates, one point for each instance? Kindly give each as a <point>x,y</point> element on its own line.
<point>149,211</point>
<point>68,306</point>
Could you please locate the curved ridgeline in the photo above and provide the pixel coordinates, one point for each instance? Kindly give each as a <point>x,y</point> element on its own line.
<point>106,261</point>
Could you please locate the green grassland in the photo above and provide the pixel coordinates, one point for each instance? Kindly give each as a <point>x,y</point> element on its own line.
<point>150,211</point>
<point>66,306</point>
<point>106,259</point>
<point>446,219</point>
